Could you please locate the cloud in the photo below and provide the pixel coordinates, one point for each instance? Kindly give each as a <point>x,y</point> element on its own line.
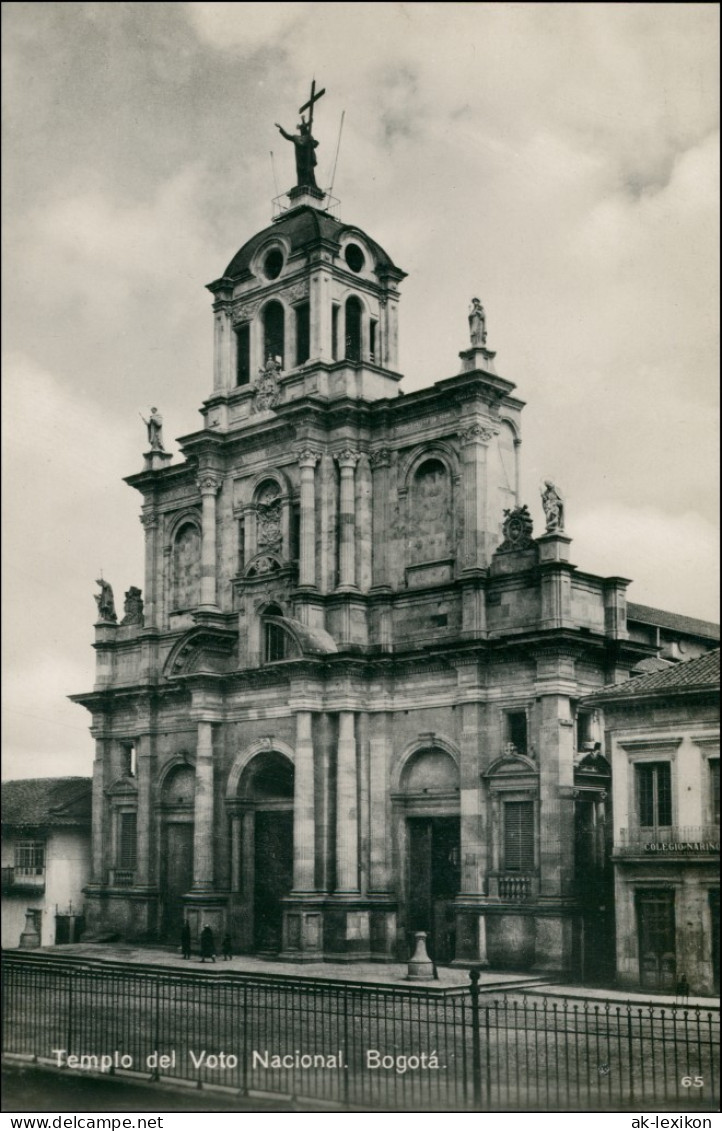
<point>660,551</point>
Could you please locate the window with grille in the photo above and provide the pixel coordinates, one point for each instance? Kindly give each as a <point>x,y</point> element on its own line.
<point>30,858</point>
<point>128,836</point>
<point>518,836</point>
<point>654,794</point>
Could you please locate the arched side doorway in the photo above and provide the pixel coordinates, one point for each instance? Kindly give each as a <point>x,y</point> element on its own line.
<point>176,846</point>
<point>428,833</point>
<point>264,809</point>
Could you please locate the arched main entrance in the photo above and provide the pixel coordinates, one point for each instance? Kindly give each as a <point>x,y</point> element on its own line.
<point>429,830</point>
<point>265,799</point>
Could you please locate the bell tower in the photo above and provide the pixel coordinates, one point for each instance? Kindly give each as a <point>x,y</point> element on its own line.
<point>307,306</point>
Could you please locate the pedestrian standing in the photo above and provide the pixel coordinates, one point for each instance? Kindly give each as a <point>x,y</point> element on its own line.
<point>208,944</point>
<point>226,948</point>
<point>186,939</point>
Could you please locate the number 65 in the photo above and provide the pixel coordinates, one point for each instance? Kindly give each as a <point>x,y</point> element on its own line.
<point>688,1082</point>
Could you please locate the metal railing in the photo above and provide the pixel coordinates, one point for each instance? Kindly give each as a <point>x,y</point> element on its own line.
<point>359,1046</point>
<point>676,840</point>
<point>23,880</point>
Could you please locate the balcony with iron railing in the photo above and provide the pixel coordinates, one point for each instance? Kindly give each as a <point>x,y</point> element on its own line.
<point>23,880</point>
<point>668,842</point>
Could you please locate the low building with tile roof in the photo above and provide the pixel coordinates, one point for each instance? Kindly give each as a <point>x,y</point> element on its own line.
<point>45,859</point>
<point>662,742</point>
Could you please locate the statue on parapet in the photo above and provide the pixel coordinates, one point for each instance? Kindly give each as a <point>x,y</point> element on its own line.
<point>477,323</point>
<point>553,504</point>
<point>105,602</point>
<point>154,425</point>
<point>133,606</point>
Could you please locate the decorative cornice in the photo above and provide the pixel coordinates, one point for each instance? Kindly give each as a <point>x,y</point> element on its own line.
<point>149,521</point>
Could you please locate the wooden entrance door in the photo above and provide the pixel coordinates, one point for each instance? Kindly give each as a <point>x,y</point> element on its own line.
<point>273,875</point>
<point>657,941</point>
<point>434,881</point>
<point>177,875</point>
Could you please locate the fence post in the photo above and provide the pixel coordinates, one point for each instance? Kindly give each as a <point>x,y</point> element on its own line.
<point>70,1013</point>
<point>475,1037</point>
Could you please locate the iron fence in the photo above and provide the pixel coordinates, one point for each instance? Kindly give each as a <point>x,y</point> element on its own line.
<point>357,1046</point>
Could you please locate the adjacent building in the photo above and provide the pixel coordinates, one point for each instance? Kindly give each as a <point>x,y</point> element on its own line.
<point>347,705</point>
<point>45,860</point>
<point>662,741</point>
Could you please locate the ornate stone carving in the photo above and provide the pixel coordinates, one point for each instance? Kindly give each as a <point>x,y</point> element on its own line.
<point>517,529</point>
<point>553,504</point>
<point>307,457</point>
<point>267,392</point>
<point>477,433</point>
<point>296,292</point>
<point>245,311</point>
<point>149,521</point>
<point>268,517</point>
<point>209,485</point>
<point>133,606</point>
<point>380,458</point>
<point>105,602</point>
<point>347,457</point>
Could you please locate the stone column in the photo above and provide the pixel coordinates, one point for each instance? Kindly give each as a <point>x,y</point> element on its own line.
<point>347,460</point>
<point>473,846</point>
<point>222,348</point>
<point>98,810</point>
<point>144,771</point>
<point>346,806</point>
<point>304,825</point>
<point>150,595</point>
<point>380,851</point>
<point>236,852</point>
<point>474,440</point>
<point>209,486</point>
<point>380,461</point>
<point>203,811</point>
<point>307,460</point>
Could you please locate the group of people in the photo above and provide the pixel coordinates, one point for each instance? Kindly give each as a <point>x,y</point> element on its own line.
<point>208,943</point>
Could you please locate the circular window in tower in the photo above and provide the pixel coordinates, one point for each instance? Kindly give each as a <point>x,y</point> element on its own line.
<point>273,263</point>
<point>354,257</point>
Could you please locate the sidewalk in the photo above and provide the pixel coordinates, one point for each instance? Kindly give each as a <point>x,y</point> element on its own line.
<point>371,973</point>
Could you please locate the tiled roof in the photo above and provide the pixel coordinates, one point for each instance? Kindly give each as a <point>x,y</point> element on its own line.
<point>49,802</point>
<point>675,621</point>
<point>692,675</point>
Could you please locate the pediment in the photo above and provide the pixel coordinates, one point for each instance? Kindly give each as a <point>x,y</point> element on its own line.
<point>512,765</point>
<point>204,649</point>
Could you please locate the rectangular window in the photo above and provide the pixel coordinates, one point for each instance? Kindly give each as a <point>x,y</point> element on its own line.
<point>303,333</point>
<point>654,794</point>
<point>334,332</point>
<point>714,789</point>
<point>129,759</point>
<point>243,354</point>
<point>518,836</point>
<point>30,858</point>
<point>584,729</point>
<point>275,643</point>
<point>127,840</point>
<point>373,326</point>
<point>516,730</point>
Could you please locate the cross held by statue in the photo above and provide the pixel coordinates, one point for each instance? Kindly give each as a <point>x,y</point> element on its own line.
<point>310,104</point>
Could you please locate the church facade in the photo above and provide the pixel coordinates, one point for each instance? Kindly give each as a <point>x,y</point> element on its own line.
<point>347,706</point>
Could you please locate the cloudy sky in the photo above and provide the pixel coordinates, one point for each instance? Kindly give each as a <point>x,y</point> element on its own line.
<point>558,160</point>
